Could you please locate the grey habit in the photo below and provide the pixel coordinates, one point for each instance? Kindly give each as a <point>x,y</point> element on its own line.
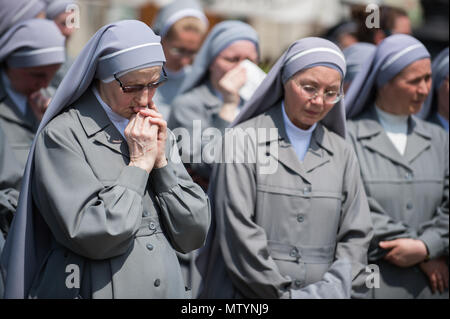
<point>119,225</point>
<point>197,100</point>
<point>167,17</point>
<point>440,72</point>
<point>15,11</point>
<point>32,43</point>
<point>303,230</point>
<point>408,195</point>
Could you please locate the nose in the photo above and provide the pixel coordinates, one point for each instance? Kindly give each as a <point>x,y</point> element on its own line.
<point>424,87</point>
<point>145,97</point>
<point>185,61</point>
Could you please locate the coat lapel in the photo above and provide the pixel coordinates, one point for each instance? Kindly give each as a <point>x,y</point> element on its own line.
<point>97,125</point>
<point>419,140</point>
<point>373,137</point>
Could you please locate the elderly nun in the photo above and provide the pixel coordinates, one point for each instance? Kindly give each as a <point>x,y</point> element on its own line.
<point>404,166</point>
<point>436,107</point>
<point>13,12</point>
<point>300,226</point>
<point>30,54</point>
<point>356,57</point>
<point>105,192</point>
<point>63,13</point>
<point>209,96</point>
<point>182,26</point>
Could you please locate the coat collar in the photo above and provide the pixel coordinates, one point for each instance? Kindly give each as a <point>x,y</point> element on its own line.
<point>372,136</point>
<point>10,112</point>
<point>97,125</point>
<point>319,152</point>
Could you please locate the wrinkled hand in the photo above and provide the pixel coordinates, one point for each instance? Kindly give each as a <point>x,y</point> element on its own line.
<point>38,104</point>
<point>405,252</point>
<point>437,273</point>
<point>231,83</point>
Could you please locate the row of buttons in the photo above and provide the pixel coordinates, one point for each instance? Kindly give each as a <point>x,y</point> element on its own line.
<point>157,282</point>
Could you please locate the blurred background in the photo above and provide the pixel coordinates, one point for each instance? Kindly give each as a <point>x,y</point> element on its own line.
<point>279,22</point>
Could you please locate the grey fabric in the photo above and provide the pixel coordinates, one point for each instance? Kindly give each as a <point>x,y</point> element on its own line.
<point>104,216</point>
<point>220,37</point>
<point>202,105</point>
<point>175,11</point>
<point>56,7</point>
<point>300,55</point>
<point>34,42</point>
<point>28,241</point>
<point>14,12</point>
<point>408,196</point>
<point>393,55</point>
<point>356,56</point>
<point>302,232</point>
<point>440,72</point>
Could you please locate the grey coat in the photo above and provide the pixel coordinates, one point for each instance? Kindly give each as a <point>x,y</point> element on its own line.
<point>408,196</point>
<point>119,224</point>
<point>19,130</point>
<point>202,105</point>
<point>284,235</point>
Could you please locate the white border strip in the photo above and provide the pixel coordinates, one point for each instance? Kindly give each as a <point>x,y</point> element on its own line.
<point>399,55</point>
<point>301,54</point>
<point>126,50</point>
<point>184,14</point>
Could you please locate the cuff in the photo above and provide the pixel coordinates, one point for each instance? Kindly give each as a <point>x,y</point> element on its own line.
<point>164,179</point>
<point>434,244</point>
<point>134,178</point>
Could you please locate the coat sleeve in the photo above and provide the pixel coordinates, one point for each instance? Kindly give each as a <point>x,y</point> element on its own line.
<point>355,229</point>
<point>385,228</point>
<point>85,216</point>
<point>185,208</point>
<point>434,233</point>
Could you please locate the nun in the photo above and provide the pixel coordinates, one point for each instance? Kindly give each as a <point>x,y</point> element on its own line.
<point>61,12</point>
<point>209,95</point>
<point>435,109</point>
<point>356,57</point>
<point>302,229</point>
<point>105,200</point>
<point>14,12</point>
<point>182,26</point>
<point>404,167</point>
<point>30,55</point>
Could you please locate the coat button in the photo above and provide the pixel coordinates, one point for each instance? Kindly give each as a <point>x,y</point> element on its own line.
<point>300,218</point>
<point>294,253</point>
<point>297,283</point>
<point>307,190</point>
<point>409,206</point>
<point>150,247</point>
<point>152,226</point>
<point>157,283</point>
<point>146,213</point>
<point>409,176</point>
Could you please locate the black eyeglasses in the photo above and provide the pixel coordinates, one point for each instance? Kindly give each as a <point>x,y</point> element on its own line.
<point>137,88</point>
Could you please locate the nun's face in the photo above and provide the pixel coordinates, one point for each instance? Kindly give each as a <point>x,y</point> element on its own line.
<point>27,81</point>
<point>61,22</point>
<point>123,103</point>
<point>406,93</point>
<point>181,49</point>
<point>302,110</point>
<point>443,102</point>
<point>231,57</point>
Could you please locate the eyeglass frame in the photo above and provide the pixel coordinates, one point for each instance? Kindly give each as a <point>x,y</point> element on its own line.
<point>181,52</point>
<point>316,94</point>
<point>138,88</point>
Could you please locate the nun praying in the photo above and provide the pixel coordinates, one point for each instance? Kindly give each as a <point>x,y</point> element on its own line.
<point>209,95</point>
<point>182,26</point>
<point>104,189</point>
<point>30,55</point>
<point>436,107</point>
<point>404,167</point>
<point>303,230</point>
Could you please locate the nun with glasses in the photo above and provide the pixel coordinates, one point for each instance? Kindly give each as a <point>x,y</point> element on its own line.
<point>299,227</point>
<point>30,55</point>
<point>105,199</point>
<point>356,57</point>
<point>404,167</point>
<point>436,107</point>
<point>13,12</point>
<point>182,26</point>
<point>209,96</point>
